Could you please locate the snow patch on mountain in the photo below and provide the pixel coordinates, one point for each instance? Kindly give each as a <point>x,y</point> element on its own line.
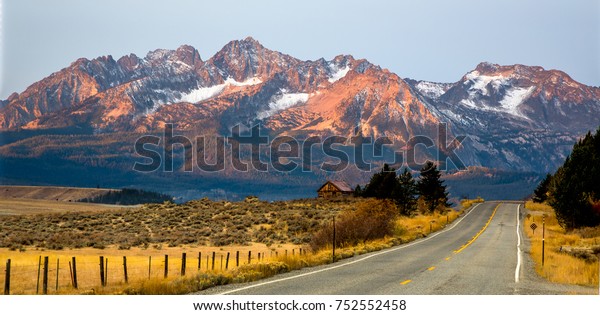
<point>338,73</point>
<point>157,54</point>
<point>283,101</point>
<point>469,103</point>
<point>515,97</point>
<point>481,82</point>
<point>248,82</point>
<point>203,93</point>
<point>509,104</point>
<point>431,89</point>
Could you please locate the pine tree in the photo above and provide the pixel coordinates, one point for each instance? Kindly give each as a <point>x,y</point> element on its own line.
<point>405,192</point>
<point>574,190</point>
<point>358,191</point>
<point>381,184</point>
<point>432,188</point>
<point>540,194</point>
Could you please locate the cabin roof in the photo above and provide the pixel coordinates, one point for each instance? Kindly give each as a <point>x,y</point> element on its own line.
<point>341,185</point>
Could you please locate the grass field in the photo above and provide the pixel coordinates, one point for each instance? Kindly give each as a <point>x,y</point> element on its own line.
<point>53,193</point>
<point>142,265</point>
<point>198,222</point>
<point>19,206</point>
<point>278,232</point>
<point>560,266</point>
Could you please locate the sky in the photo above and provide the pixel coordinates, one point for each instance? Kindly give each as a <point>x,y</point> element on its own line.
<point>426,40</point>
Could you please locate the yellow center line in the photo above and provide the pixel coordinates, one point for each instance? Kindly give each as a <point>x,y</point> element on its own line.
<point>447,258</point>
<point>405,282</point>
<point>431,268</point>
<point>479,233</point>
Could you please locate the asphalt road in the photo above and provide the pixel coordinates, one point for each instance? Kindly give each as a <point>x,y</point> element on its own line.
<point>481,253</point>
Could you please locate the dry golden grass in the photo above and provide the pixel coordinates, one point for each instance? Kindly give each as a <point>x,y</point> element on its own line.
<point>274,259</point>
<point>52,193</point>
<point>421,225</point>
<point>466,203</point>
<point>558,266</point>
<point>17,206</point>
<point>24,265</point>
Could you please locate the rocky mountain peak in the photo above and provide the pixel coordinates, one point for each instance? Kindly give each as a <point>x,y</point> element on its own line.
<point>245,47</point>
<point>129,62</point>
<point>486,67</point>
<point>247,58</point>
<point>247,83</point>
<point>188,55</point>
<point>251,41</point>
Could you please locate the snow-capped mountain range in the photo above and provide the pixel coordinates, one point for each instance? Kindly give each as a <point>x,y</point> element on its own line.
<point>516,117</point>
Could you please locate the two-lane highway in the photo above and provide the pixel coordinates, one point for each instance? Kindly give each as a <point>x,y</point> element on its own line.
<point>477,254</point>
<point>488,265</point>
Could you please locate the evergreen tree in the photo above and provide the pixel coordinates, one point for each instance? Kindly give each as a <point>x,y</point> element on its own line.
<point>432,188</point>
<point>574,190</point>
<point>381,184</point>
<point>358,191</point>
<point>129,196</point>
<point>540,194</point>
<point>405,192</point>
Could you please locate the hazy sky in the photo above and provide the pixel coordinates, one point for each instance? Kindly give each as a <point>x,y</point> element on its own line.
<point>424,39</point>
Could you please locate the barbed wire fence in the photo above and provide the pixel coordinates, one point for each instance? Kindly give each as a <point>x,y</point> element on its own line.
<point>60,274</point>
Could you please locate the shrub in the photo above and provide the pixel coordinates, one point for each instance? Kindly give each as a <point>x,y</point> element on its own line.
<point>371,220</point>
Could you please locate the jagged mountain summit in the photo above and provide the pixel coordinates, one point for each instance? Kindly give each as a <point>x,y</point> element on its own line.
<point>515,117</point>
<point>242,83</point>
<point>536,97</point>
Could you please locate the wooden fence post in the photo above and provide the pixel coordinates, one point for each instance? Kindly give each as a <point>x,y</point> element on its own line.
<point>199,260</point>
<point>227,261</point>
<point>213,261</point>
<point>57,269</point>
<point>37,288</point>
<point>333,243</point>
<point>207,262</point>
<point>74,272</point>
<point>237,258</point>
<point>149,266</point>
<point>7,279</point>
<point>102,270</point>
<point>45,277</point>
<point>249,256</point>
<point>106,272</point>
<point>71,272</point>
<point>183,263</point>
<point>166,266</point>
<point>258,257</point>
<point>125,268</point>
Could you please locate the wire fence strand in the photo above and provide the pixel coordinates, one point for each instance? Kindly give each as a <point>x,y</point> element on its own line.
<point>26,274</point>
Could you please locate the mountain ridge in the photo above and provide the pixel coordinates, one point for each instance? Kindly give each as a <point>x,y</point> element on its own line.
<point>516,117</point>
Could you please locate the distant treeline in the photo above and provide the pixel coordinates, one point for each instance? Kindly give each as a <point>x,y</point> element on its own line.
<point>128,196</point>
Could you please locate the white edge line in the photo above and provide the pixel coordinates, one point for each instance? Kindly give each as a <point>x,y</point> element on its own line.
<point>354,261</point>
<point>518,268</point>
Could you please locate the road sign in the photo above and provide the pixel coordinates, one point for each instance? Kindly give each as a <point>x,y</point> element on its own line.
<point>533,226</point>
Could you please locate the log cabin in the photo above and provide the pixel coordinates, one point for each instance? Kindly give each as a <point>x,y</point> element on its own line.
<point>335,189</point>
